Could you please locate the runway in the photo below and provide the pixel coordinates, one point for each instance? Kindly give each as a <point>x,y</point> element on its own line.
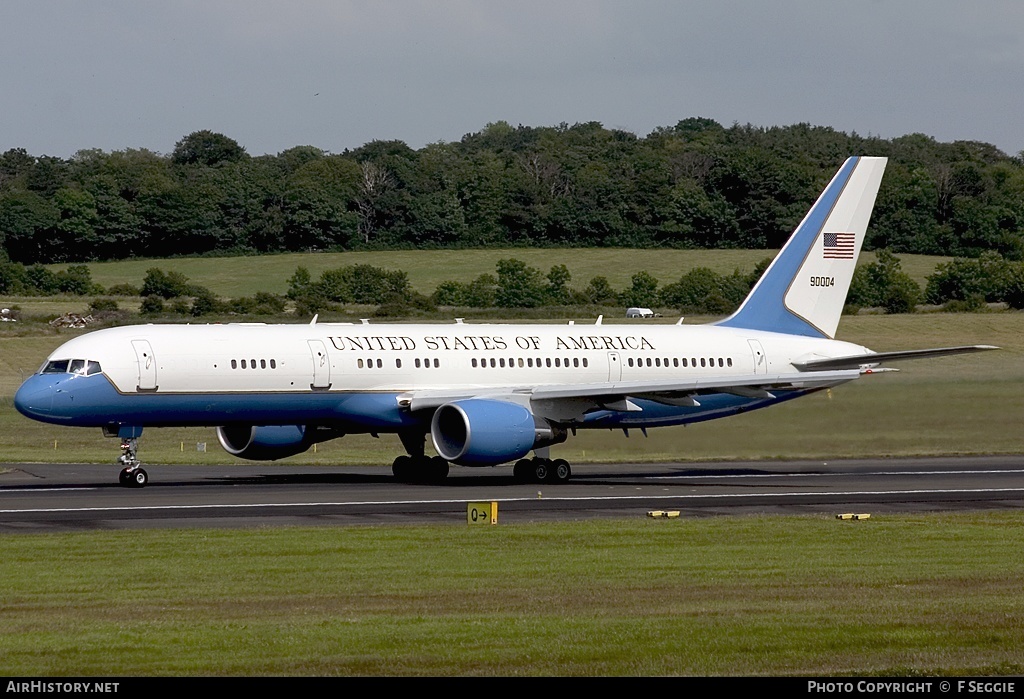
<point>62,497</point>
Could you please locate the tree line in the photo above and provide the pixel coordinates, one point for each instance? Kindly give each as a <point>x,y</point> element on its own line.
<point>697,184</point>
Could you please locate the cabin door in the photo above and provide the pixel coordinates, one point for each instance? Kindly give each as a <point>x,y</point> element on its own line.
<point>760,360</point>
<point>321,365</point>
<point>614,367</point>
<point>147,365</point>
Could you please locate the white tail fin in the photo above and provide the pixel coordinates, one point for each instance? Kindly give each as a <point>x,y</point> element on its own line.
<point>804,290</point>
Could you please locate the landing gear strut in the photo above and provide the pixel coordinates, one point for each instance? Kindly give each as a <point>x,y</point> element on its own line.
<point>540,470</point>
<point>132,475</point>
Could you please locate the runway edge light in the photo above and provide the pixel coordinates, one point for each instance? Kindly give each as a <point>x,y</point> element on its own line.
<point>850,515</point>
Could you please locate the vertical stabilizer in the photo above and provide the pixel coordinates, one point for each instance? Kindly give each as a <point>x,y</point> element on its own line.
<point>804,290</point>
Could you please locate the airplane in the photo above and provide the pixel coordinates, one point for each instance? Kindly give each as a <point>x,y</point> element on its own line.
<point>485,394</point>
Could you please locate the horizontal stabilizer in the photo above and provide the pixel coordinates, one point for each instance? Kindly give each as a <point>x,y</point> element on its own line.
<point>873,358</point>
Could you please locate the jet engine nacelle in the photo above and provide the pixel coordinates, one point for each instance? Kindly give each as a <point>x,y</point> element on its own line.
<point>482,432</point>
<point>265,442</point>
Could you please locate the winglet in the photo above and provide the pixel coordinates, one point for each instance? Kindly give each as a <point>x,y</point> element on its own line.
<point>804,289</point>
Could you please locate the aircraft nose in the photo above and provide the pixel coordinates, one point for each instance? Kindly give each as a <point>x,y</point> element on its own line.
<point>35,397</point>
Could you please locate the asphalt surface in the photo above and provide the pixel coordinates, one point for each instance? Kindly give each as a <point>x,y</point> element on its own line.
<point>64,497</point>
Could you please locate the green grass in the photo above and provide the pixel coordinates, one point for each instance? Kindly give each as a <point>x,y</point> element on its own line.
<point>244,276</point>
<point>972,404</point>
<point>892,596</point>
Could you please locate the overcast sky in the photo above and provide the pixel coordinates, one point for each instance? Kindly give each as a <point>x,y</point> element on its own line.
<point>337,74</point>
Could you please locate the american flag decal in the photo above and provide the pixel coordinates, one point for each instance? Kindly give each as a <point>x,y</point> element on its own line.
<point>838,246</point>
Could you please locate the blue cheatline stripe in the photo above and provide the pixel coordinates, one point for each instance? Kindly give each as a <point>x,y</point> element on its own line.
<point>765,308</point>
<point>92,401</point>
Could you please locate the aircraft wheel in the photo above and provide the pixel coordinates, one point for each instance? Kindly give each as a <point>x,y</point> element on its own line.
<point>522,471</point>
<point>139,478</point>
<point>402,468</point>
<point>541,469</point>
<point>437,470</point>
<point>560,471</point>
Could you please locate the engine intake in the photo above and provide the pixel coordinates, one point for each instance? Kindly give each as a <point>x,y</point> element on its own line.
<point>481,432</point>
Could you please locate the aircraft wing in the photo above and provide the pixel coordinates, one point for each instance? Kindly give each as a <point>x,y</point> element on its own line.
<point>561,400</point>
<point>874,358</point>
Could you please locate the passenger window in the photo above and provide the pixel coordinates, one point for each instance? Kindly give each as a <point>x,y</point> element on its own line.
<point>234,363</point>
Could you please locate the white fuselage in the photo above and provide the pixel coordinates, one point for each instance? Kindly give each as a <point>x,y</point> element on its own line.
<point>256,358</point>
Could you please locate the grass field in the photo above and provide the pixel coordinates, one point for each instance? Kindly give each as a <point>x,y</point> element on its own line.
<point>244,276</point>
<point>914,595</point>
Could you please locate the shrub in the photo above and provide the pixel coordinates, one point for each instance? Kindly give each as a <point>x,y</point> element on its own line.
<point>151,305</point>
<point>166,285</point>
<point>123,290</point>
<point>101,305</point>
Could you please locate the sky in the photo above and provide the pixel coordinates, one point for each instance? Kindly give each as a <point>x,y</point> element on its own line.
<point>336,74</point>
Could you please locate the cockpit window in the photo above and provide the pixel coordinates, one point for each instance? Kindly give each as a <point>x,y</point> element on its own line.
<point>81,367</point>
<point>59,366</point>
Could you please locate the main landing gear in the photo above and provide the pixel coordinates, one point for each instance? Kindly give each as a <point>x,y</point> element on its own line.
<point>540,470</point>
<point>132,475</point>
<point>420,469</point>
<point>417,467</point>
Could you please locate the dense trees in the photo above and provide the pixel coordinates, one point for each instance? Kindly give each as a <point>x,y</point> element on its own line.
<point>696,184</point>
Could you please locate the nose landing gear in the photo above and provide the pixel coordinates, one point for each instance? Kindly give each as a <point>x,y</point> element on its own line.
<point>132,475</point>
